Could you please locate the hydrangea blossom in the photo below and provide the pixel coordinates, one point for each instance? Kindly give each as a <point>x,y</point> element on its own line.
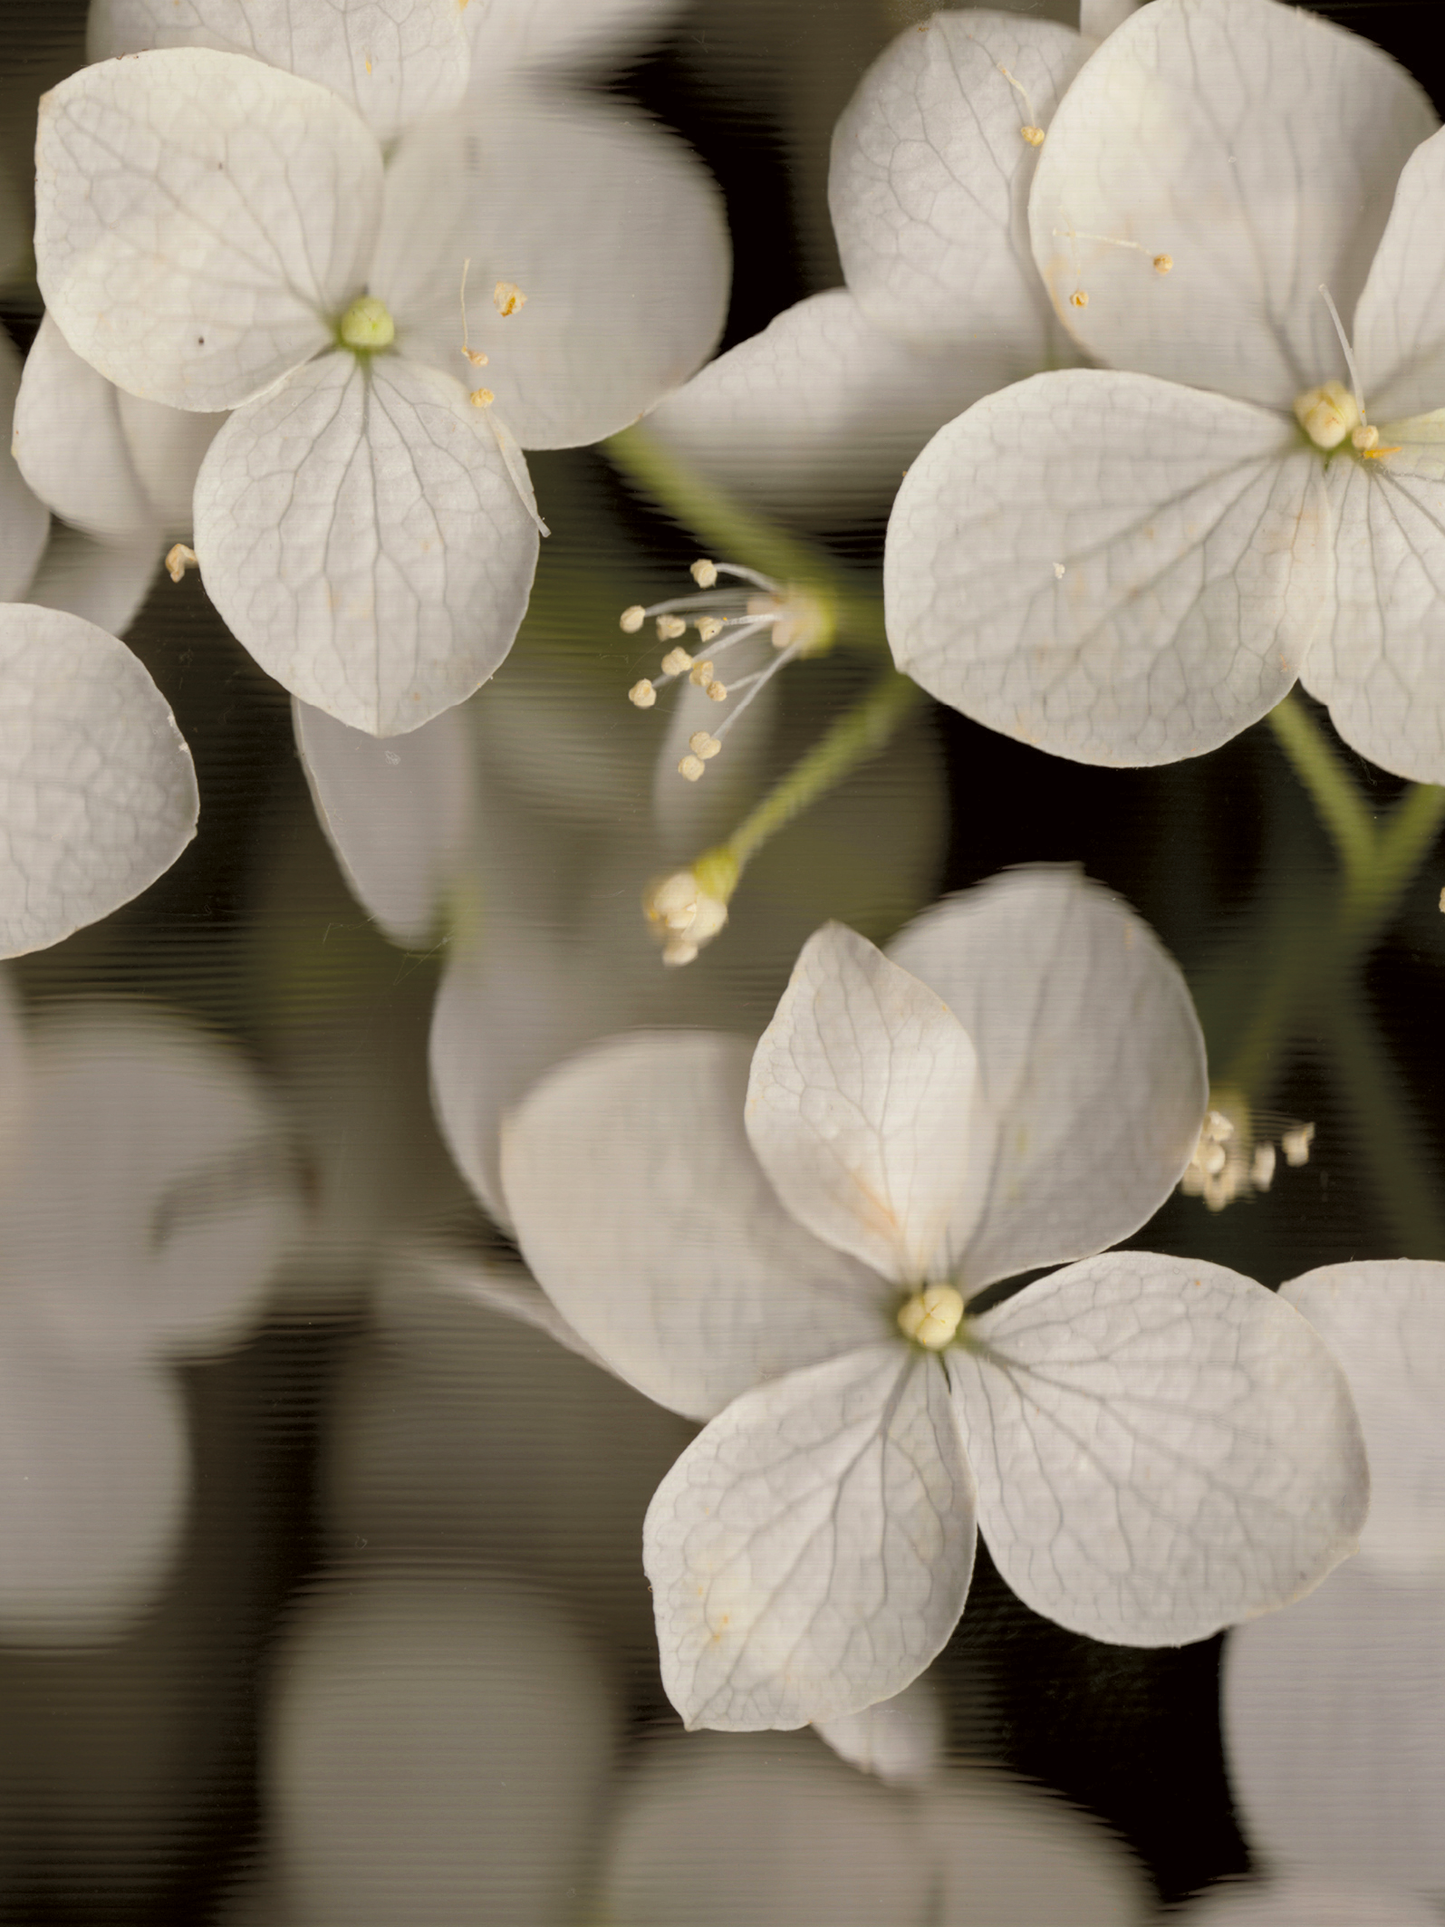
<point>1130,564</point>
<point>1152,1448</point>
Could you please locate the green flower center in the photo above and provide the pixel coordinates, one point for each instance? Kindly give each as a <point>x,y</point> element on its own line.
<point>366,326</point>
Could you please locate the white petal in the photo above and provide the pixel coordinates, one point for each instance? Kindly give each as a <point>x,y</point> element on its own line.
<point>201,221</point>
<point>1113,568</point>
<point>1334,1717</point>
<point>810,1552</point>
<point>1100,17</point>
<point>24,520</point>
<point>360,534</point>
<point>71,447</point>
<point>1257,147</point>
<point>820,414</point>
<point>513,33</point>
<point>167,447</point>
<point>1091,1061</point>
<point>861,1108</point>
<point>609,226</point>
<point>1308,1901</point>
<point>1161,1448</point>
<point>647,1220</point>
<point>505,1288</point>
<point>399,815</point>
<point>1385,1323</point>
<point>1381,666</point>
<point>98,581</point>
<point>97,791</point>
<point>930,179</point>
<point>1398,335</point>
<point>395,63</point>
<point>899,1739</point>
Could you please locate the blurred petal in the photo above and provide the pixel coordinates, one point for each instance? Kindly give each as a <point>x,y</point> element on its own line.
<point>101,582</point>
<point>1115,569</point>
<point>810,1552</point>
<point>399,815</point>
<point>201,221</point>
<point>167,447</point>
<point>820,414</point>
<point>861,1107</point>
<point>97,790</point>
<point>899,1739</point>
<point>395,61</point>
<point>646,1218</point>
<point>508,1289</point>
<point>1162,1448</point>
<point>512,33</point>
<point>610,227</point>
<point>71,447</point>
<point>1091,1062</point>
<point>1257,148</point>
<point>360,534</point>
<point>1398,332</point>
<point>1385,1323</point>
<point>930,179</point>
<point>23,519</point>
<point>1334,1723</point>
<point>1304,1902</point>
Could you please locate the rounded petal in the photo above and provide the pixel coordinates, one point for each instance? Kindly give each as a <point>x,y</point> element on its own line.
<point>167,447</point>
<point>861,1108</point>
<point>1380,666</point>
<point>97,790</point>
<point>24,521</point>
<point>1161,1448</point>
<point>820,414</point>
<point>1334,1722</point>
<point>1255,148</point>
<point>1113,568</point>
<point>1091,1061</point>
<point>648,1221</point>
<point>611,229</point>
<point>507,34</point>
<point>1398,332</point>
<point>810,1552</point>
<point>394,63</point>
<point>1304,1902</point>
<point>398,815</point>
<point>1385,1323</point>
<point>101,582</point>
<point>360,533</point>
<point>200,221</point>
<point>930,178</point>
<point>899,1739</point>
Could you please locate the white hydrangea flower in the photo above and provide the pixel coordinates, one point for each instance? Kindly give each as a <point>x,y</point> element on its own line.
<point>1152,1448</point>
<point>1130,564</point>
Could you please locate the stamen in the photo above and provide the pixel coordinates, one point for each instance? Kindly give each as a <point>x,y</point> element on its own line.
<point>703,745</point>
<point>688,908</point>
<point>507,298</point>
<point>481,398</point>
<point>669,628</point>
<point>642,695</point>
<point>632,619</point>
<point>676,662</point>
<point>707,627</point>
<point>700,674</point>
<point>717,692</point>
<point>473,355</point>
<point>1161,263</point>
<point>1031,131</point>
<point>178,559</point>
<point>1344,344</point>
<point>704,573</point>
<point>1296,1144</point>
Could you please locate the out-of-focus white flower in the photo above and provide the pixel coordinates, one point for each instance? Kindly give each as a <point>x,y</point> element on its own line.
<point>1130,564</point>
<point>793,1249</point>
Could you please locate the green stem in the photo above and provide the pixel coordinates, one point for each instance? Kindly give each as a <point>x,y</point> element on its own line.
<point>1331,789</point>
<point>1401,845</point>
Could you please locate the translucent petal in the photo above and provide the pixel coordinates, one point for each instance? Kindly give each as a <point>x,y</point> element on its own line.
<point>101,582</point>
<point>1253,146</point>
<point>97,791</point>
<point>820,414</point>
<point>609,226</point>
<point>513,33</point>
<point>861,1107</point>
<point>504,1288</point>
<point>930,180</point>
<point>1161,1448</point>
<point>395,61</point>
<point>167,447</point>
<point>201,221</point>
<point>23,519</point>
<point>360,534</point>
<point>1398,334</point>
<point>1115,569</point>
<point>1091,1062</point>
<point>810,1552</point>
<point>648,1221</point>
<point>899,1739</point>
<point>1334,1720</point>
<point>1385,1323</point>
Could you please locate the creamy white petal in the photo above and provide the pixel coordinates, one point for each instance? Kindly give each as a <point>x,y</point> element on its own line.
<point>1385,1323</point>
<point>810,1552</point>
<point>645,1217</point>
<point>930,177</point>
<point>399,815</point>
<point>609,226</point>
<point>506,1288</point>
<point>1398,332</point>
<point>1161,1448</point>
<point>899,1739</point>
<point>167,447</point>
<point>1091,1062</point>
<point>395,61</point>
<point>97,791</point>
<point>71,447</point>
<point>101,582</point>
<point>861,1107</point>
<point>1306,1901</point>
<point>1113,568</point>
<point>1334,1723</point>
<point>1380,666</point>
<point>513,33</point>
<point>819,415</point>
<point>24,520</point>
<point>1100,17</point>
<point>360,534</point>
<point>201,221</point>
<point>1254,146</point>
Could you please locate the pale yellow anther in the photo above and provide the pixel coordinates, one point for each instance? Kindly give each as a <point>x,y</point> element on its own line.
<point>1261,1172</point>
<point>700,675</point>
<point>1212,1158</point>
<point>931,1317</point>
<point>1079,298</point>
<point>1163,263</point>
<point>717,692</point>
<point>642,695</point>
<point>707,627</point>
<point>367,326</point>
<point>689,907</point>
<point>675,662</point>
<point>1365,437</point>
<point>481,398</point>
<point>673,901</point>
<point>631,620</point>
<point>704,573</point>
<point>703,745</point>
<point>691,767</point>
<point>678,951</point>
<point>1327,414</point>
<point>1033,135</point>
<point>178,559</point>
<point>476,357</point>
<point>507,297</point>
<point>669,628</point>
<point>1296,1144</point>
